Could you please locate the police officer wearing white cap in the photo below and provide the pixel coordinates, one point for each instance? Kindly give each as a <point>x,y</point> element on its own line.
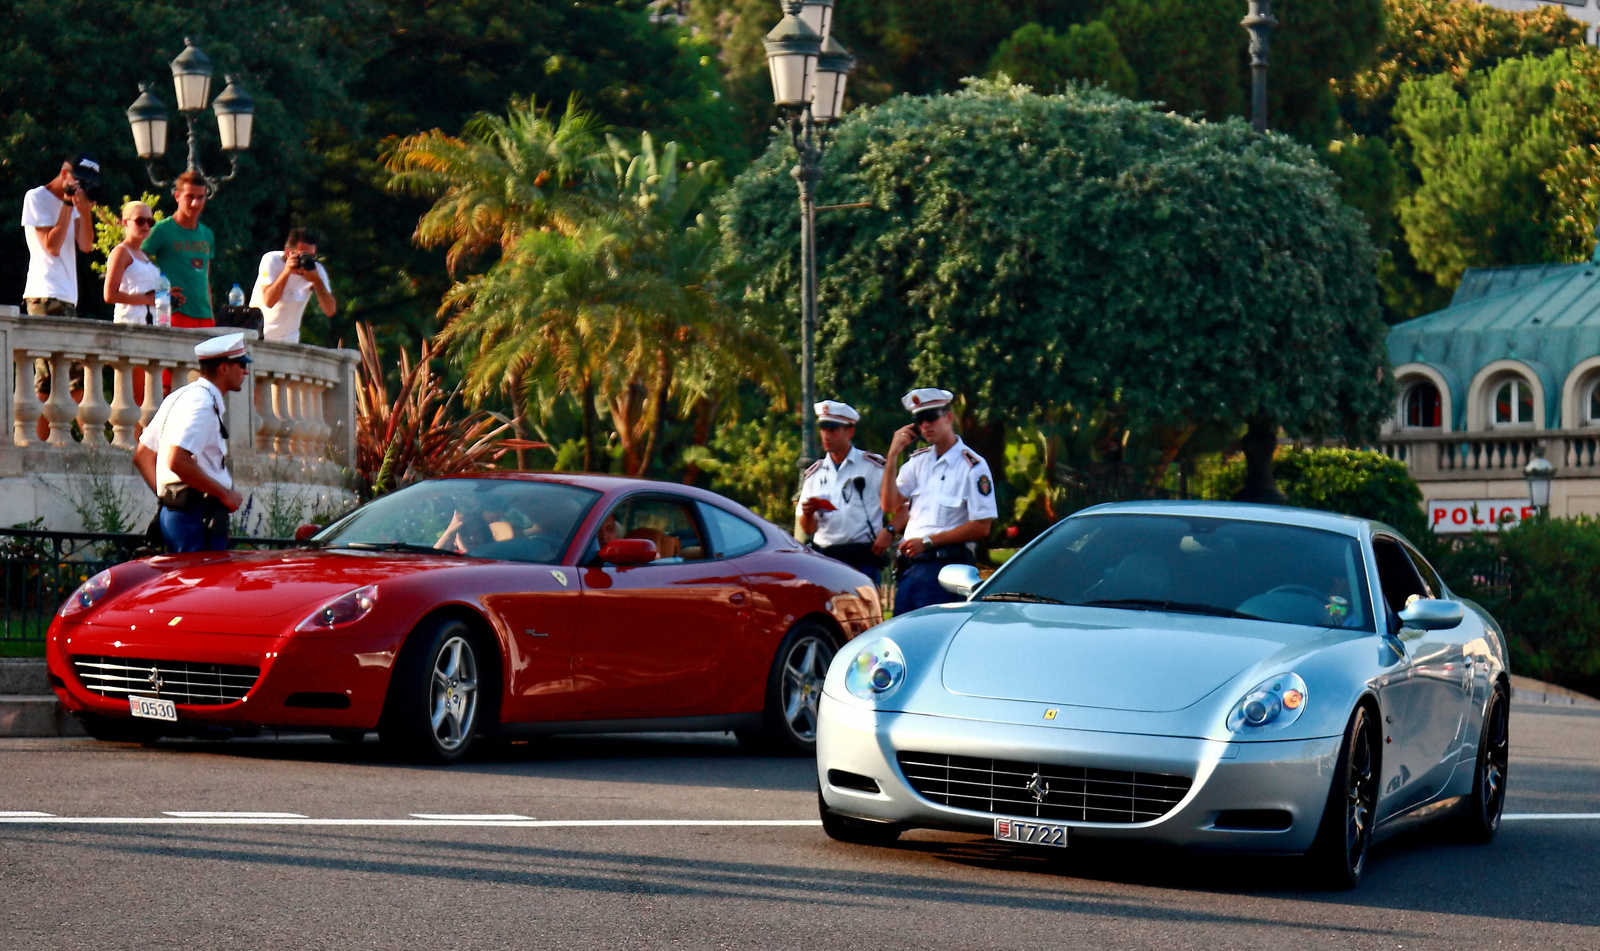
<point>946,490</point>
<point>839,495</point>
<point>183,453</point>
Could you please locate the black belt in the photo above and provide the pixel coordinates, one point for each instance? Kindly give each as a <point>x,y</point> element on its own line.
<point>854,554</point>
<point>948,554</point>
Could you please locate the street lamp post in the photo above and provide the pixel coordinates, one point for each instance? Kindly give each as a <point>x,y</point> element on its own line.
<point>191,79</point>
<point>809,71</point>
<point>1539,473</point>
<point>1259,21</point>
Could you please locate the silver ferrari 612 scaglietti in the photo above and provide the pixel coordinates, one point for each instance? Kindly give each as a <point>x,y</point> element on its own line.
<point>1211,675</point>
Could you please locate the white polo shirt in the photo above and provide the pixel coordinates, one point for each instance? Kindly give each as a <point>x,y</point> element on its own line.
<point>946,491</point>
<point>49,275</point>
<point>282,322</point>
<point>190,418</point>
<point>857,514</point>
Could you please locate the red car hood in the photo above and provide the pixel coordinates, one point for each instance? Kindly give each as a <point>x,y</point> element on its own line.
<point>265,592</point>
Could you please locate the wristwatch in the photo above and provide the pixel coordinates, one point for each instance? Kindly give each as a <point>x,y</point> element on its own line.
<point>927,543</point>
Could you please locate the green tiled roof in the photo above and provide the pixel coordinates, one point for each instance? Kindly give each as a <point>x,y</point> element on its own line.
<point>1546,315</point>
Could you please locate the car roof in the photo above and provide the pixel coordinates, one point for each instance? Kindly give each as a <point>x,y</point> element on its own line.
<point>607,484</point>
<point>1247,511</point>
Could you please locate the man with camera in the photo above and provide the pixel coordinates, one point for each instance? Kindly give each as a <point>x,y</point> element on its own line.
<point>183,453</point>
<point>947,492</point>
<point>286,281</point>
<point>58,222</point>
<point>839,494</point>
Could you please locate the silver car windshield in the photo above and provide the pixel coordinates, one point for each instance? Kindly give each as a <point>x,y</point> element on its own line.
<point>505,519</point>
<point>1197,565</point>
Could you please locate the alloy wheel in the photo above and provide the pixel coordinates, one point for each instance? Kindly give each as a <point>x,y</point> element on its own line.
<point>1496,756</point>
<point>804,669</point>
<point>454,707</point>
<point>1361,792</point>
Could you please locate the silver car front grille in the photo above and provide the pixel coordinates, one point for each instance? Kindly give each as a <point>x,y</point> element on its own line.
<point>1042,790</point>
<point>206,685</point>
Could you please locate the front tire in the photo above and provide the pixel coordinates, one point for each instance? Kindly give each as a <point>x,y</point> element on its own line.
<point>794,689</point>
<point>431,714</point>
<point>1481,820</point>
<point>1338,857</point>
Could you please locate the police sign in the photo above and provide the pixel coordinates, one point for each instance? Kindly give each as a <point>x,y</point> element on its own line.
<point>1450,516</point>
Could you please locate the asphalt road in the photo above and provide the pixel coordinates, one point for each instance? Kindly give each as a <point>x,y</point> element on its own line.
<point>378,877</point>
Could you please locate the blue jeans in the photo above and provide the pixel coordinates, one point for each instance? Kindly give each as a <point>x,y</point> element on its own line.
<point>186,531</point>
<point>919,587</point>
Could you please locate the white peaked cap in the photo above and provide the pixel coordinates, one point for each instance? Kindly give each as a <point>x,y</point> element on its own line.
<point>926,397</point>
<point>833,411</point>
<point>225,347</point>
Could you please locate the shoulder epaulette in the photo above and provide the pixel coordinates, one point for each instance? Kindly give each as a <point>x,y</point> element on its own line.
<point>972,458</point>
<point>921,451</point>
<point>814,467</point>
<point>875,459</point>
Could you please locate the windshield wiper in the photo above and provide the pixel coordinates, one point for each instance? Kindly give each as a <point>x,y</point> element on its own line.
<point>1022,596</point>
<point>1180,607</point>
<point>400,546</point>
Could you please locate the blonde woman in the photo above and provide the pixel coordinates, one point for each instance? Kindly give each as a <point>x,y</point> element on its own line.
<point>130,274</point>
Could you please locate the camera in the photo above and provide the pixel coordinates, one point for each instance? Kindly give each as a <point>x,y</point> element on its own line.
<point>305,261</point>
<point>69,190</point>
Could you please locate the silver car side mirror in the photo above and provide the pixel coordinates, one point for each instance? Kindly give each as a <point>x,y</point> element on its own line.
<point>959,579</point>
<point>1428,614</point>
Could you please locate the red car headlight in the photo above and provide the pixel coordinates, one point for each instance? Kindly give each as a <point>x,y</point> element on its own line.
<point>345,609</point>
<point>87,594</point>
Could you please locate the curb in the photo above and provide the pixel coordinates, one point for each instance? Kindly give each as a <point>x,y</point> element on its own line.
<point>1528,690</point>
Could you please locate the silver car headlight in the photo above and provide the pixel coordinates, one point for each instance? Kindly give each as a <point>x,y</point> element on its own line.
<point>876,671</point>
<point>1272,705</point>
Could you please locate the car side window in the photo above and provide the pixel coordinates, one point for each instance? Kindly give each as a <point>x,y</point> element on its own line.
<point>1397,577</point>
<point>1430,578</point>
<point>667,522</point>
<point>736,536</point>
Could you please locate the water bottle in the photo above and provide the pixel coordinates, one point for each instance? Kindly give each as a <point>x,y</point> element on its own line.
<point>163,308</point>
<point>236,297</point>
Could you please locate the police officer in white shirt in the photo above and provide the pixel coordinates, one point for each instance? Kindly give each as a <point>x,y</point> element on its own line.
<point>947,493</point>
<point>839,495</point>
<point>182,454</point>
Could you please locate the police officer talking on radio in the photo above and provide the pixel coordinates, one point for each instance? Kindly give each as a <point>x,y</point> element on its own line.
<point>947,493</point>
<point>183,453</point>
<point>839,495</point>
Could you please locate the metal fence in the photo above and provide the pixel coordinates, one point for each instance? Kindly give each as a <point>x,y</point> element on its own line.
<point>39,569</point>
<point>1124,483</point>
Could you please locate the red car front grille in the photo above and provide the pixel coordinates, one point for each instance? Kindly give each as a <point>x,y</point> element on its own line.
<point>177,680</point>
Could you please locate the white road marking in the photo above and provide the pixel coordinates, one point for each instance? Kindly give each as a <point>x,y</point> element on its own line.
<point>485,817</point>
<point>236,820</point>
<point>26,814</point>
<point>234,815</point>
<point>1518,816</point>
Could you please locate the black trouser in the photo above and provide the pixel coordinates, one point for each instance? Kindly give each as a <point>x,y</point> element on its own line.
<point>857,555</point>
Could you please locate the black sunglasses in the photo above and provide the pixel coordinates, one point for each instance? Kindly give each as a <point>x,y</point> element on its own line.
<point>147,222</point>
<point>926,416</point>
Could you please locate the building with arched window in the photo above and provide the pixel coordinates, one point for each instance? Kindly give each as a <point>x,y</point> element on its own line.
<point>1509,371</point>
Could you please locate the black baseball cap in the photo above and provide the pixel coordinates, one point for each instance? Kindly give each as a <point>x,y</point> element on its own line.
<point>85,168</point>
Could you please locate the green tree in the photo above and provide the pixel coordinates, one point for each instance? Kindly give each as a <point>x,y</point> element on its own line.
<point>1481,147</point>
<point>1079,250</point>
<point>70,68</point>
<point>1038,56</point>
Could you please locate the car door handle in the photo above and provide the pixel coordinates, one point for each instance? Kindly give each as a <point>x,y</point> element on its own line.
<point>738,598</point>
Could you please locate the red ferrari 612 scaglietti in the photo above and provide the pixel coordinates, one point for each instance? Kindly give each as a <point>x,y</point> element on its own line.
<point>508,605</point>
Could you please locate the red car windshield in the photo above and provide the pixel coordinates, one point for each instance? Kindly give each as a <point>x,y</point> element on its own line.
<point>504,519</point>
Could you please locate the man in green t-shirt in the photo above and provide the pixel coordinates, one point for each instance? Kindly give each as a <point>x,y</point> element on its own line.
<point>181,247</point>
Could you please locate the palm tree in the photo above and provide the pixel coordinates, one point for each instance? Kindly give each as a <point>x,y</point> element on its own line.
<point>602,282</point>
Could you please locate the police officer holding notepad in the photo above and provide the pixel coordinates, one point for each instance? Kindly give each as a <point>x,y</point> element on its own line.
<point>183,453</point>
<point>840,494</point>
<point>945,490</point>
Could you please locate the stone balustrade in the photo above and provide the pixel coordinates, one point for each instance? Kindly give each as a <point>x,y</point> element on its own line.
<point>1440,456</point>
<point>294,422</point>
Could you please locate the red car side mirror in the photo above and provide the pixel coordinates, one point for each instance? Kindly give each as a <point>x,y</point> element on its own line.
<point>629,551</point>
<point>306,531</point>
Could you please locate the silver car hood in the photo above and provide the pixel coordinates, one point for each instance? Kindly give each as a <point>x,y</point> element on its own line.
<point>1105,658</point>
